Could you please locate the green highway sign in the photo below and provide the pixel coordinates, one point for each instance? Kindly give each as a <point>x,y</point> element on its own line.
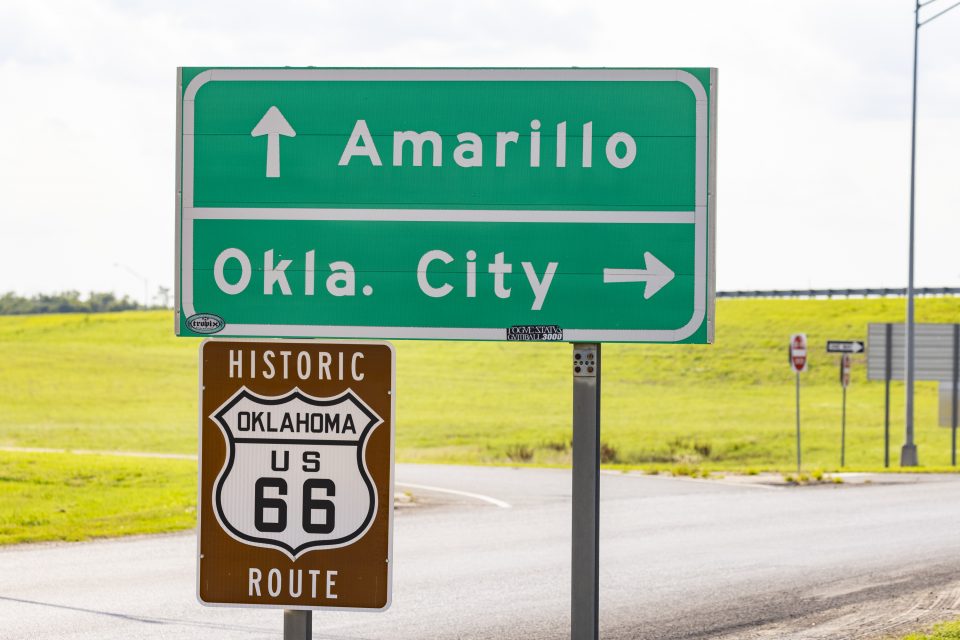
<point>464,204</point>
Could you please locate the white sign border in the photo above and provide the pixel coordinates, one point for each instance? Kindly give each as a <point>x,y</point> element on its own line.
<point>703,290</point>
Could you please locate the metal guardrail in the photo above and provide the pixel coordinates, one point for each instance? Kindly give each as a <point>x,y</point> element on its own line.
<point>839,293</point>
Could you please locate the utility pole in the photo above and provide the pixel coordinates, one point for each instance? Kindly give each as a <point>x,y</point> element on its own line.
<point>908,454</point>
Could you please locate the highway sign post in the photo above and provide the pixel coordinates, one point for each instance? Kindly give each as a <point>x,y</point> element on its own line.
<point>296,475</point>
<point>845,365</point>
<point>477,204</point>
<point>797,351</point>
<point>569,205</point>
<point>585,557</point>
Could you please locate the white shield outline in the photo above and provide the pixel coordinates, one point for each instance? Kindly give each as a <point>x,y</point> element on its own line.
<point>231,441</point>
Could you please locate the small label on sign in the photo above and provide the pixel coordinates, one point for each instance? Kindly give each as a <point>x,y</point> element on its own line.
<point>205,323</point>
<point>535,333</point>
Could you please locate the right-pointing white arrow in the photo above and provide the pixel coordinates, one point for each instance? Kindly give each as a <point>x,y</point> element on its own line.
<point>656,275</point>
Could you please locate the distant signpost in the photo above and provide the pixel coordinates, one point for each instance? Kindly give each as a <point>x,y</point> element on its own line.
<point>846,362</point>
<point>845,366</point>
<point>797,350</point>
<point>846,346</point>
<point>479,204</point>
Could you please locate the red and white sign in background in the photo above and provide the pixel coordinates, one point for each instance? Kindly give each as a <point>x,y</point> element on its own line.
<point>845,364</point>
<point>798,352</point>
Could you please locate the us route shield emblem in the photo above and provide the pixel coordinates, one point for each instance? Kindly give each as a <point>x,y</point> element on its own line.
<point>295,503</point>
<point>295,449</point>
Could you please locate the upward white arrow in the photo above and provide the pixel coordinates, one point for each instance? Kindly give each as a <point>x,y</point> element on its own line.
<point>656,275</point>
<point>273,125</point>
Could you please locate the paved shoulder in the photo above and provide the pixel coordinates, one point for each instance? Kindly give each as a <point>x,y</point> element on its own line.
<point>526,486</point>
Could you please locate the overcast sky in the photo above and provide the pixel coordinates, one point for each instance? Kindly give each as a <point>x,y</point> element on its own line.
<point>814,119</point>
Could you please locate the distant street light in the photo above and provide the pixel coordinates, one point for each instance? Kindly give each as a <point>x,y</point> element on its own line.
<point>146,283</point>
<point>908,455</point>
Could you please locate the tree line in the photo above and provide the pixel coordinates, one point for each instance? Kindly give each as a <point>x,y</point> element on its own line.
<point>65,302</point>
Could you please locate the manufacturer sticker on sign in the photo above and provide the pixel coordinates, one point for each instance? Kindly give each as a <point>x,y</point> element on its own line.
<point>296,474</point>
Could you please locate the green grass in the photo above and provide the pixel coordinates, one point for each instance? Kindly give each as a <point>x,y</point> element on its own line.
<point>104,381</point>
<point>944,631</point>
<point>726,406</point>
<point>123,381</point>
<point>70,497</point>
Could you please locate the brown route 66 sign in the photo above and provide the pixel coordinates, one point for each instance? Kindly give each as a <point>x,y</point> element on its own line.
<point>296,474</point>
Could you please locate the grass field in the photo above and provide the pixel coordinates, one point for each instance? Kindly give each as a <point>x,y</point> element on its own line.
<point>123,381</point>
<point>945,631</point>
<point>69,497</point>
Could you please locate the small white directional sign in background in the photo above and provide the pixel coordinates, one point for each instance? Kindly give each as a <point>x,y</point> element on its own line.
<point>846,346</point>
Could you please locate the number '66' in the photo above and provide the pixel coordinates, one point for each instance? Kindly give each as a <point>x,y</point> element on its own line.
<point>324,507</point>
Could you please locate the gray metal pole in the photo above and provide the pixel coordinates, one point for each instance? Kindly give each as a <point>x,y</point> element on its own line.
<point>888,361</point>
<point>908,454</point>
<point>798,423</point>
<point>585,565</point>
<point>297,625</point>
<point>953,404</point>
<point>843,429</point>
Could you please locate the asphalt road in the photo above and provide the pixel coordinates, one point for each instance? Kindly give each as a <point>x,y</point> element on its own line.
<point>680,559</point>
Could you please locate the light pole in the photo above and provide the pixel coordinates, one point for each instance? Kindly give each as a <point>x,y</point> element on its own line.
<point>908,454</point>
<point>146,283</point>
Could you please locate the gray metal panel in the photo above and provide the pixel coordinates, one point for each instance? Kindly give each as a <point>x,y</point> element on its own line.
<point>712,210</point>
<point>933,351</point>
<point>946,405</point>
<point>178,177</point>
